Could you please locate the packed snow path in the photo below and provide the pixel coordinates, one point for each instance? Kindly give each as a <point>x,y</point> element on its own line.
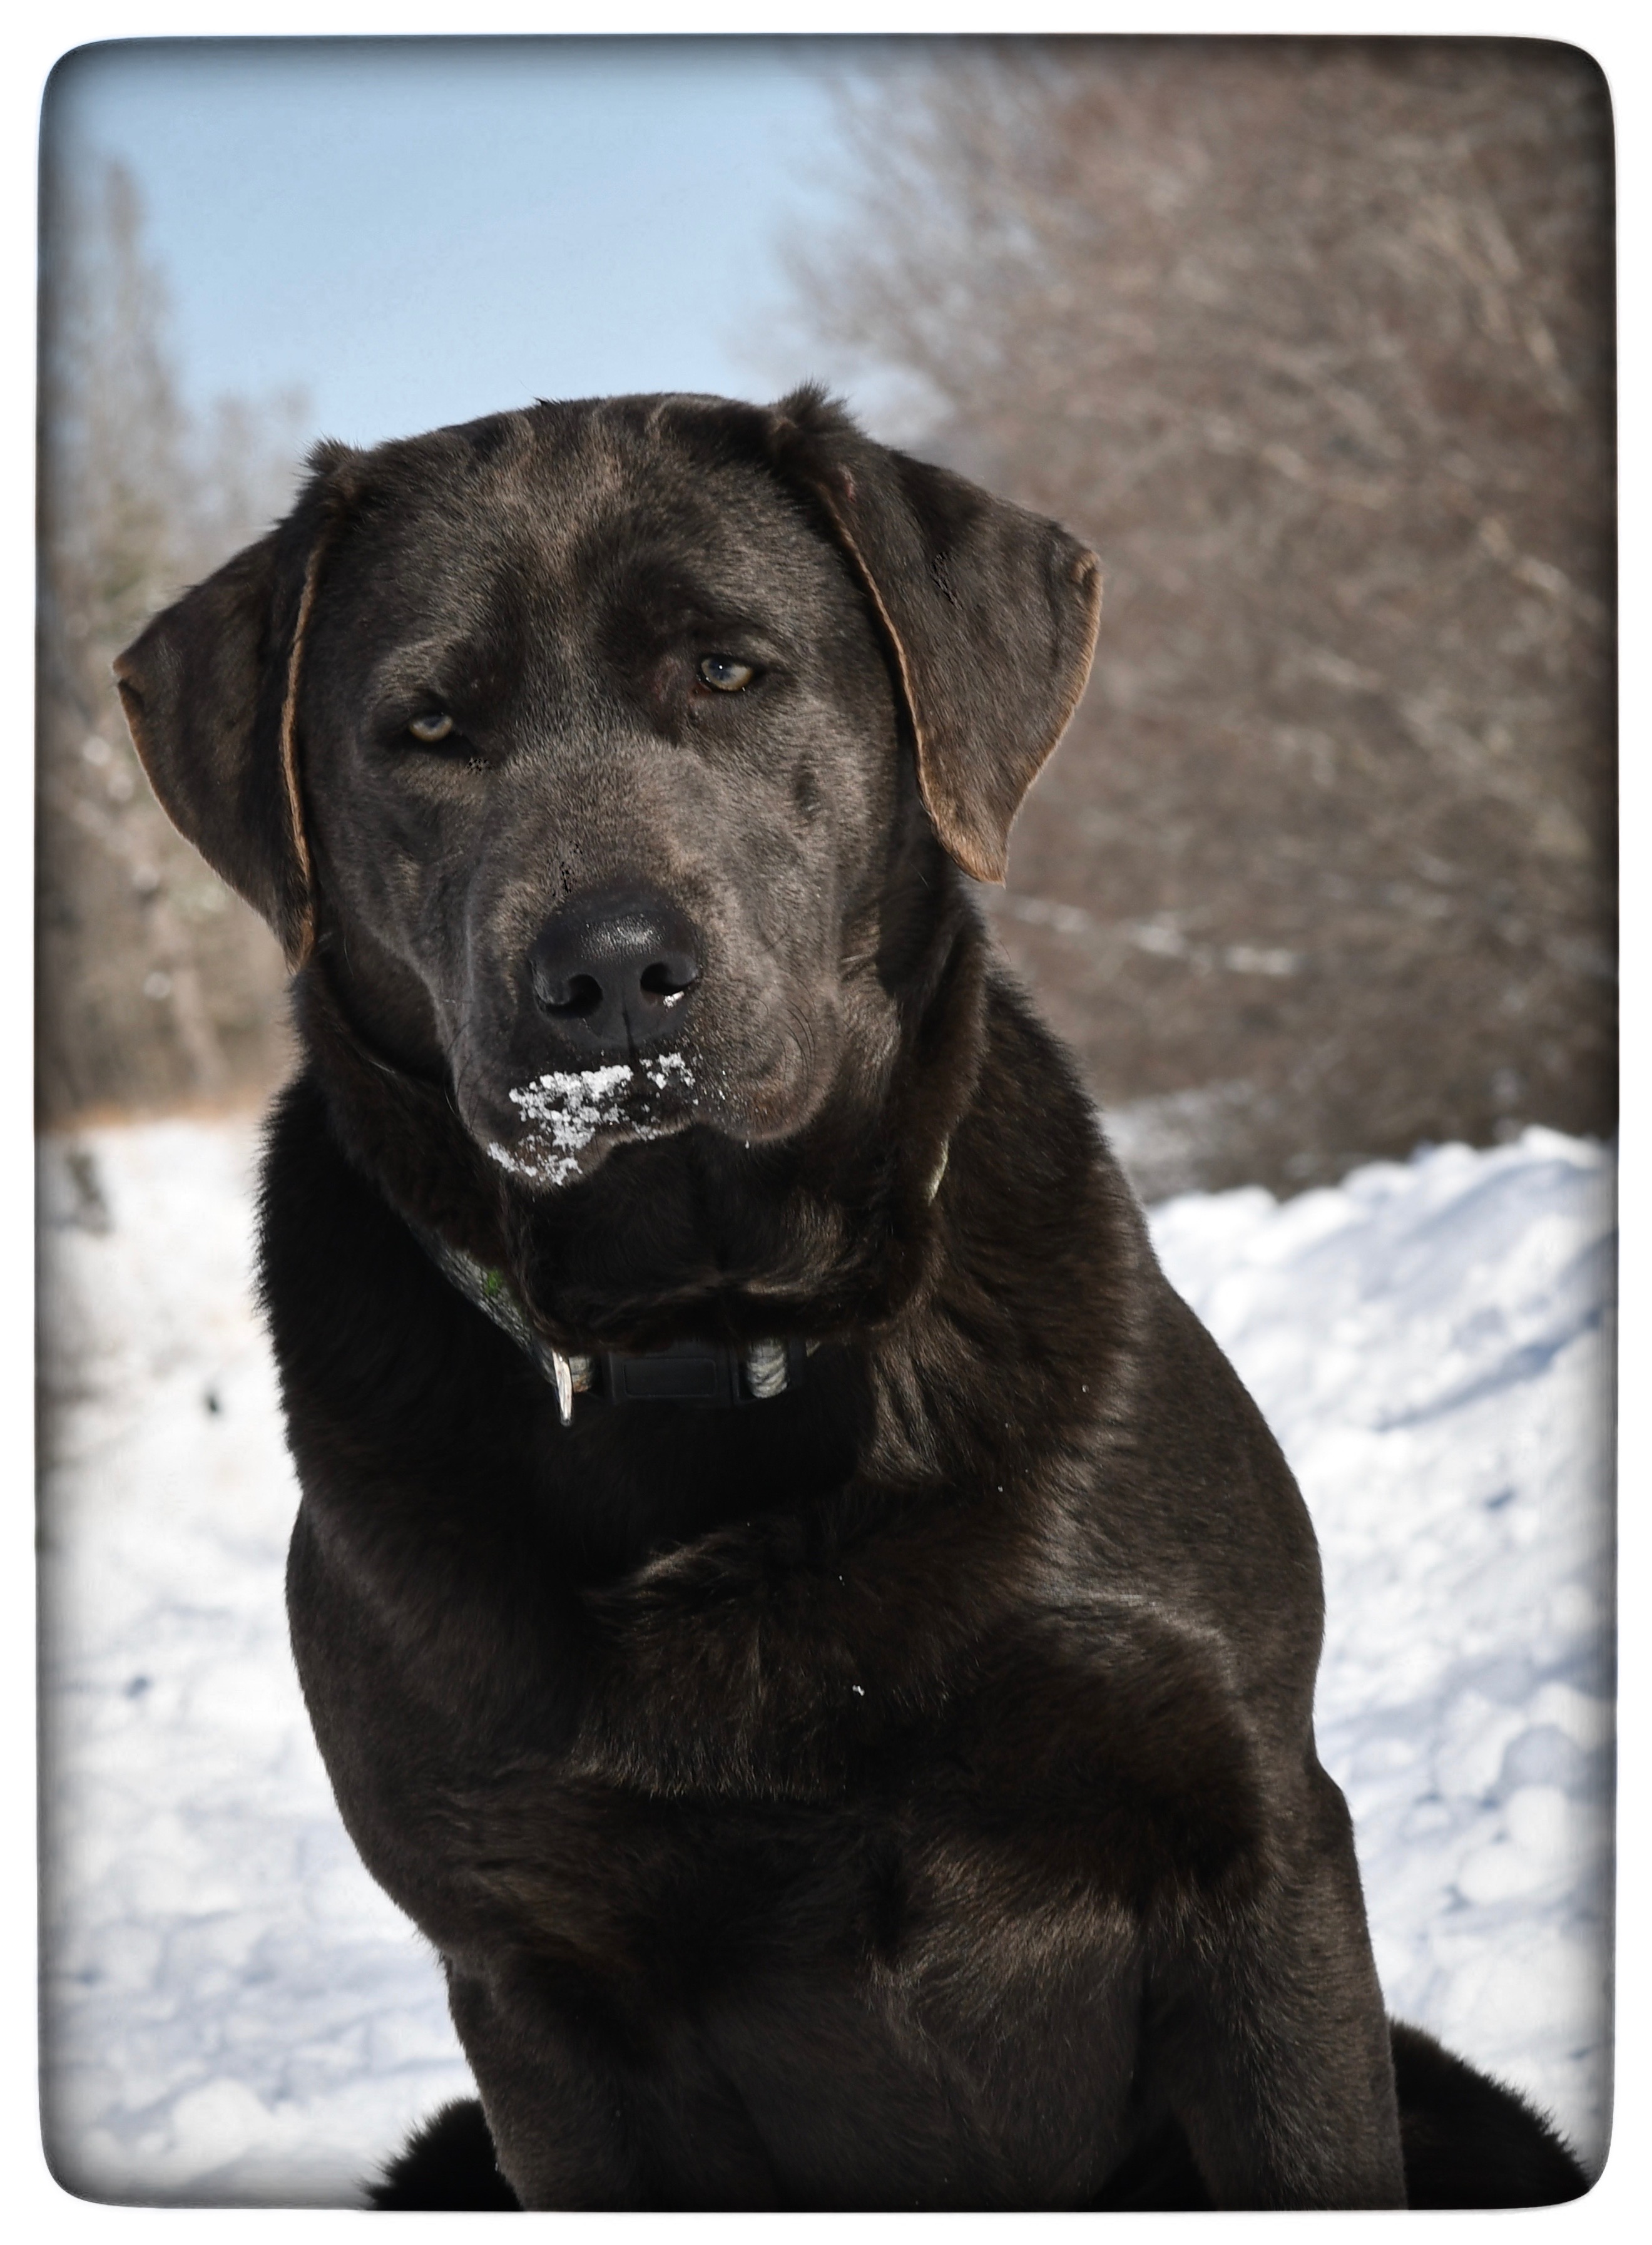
<point>235,2014</point>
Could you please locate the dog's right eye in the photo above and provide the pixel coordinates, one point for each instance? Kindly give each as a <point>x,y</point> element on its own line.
<point>435,725</point>
<point>727,673</point>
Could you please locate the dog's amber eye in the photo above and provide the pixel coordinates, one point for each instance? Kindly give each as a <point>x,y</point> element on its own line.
<point>434,726</point>
<point>726,674</point>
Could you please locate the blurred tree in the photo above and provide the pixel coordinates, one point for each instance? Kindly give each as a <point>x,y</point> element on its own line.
<point>1313,341</point>
<point>152,982</point>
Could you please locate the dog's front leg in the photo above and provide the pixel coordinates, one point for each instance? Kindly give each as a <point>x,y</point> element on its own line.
<point>557,2104</point>
<point>1273,2039</point>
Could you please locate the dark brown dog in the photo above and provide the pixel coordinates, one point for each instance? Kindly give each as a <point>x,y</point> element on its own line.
<point>792,1604</point>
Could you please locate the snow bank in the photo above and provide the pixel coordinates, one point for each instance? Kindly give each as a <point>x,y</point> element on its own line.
<point>1431,1345</point>
<point>235,2014</point>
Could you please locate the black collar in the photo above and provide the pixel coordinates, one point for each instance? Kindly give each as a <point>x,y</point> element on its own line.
<point>688,1372</point>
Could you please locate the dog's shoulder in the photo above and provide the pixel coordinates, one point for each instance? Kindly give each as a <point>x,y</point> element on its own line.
<point>1142,1459</point>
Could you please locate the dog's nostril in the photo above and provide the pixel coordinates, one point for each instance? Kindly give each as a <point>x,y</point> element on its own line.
<point>577,995</point>
<point>669,978</point>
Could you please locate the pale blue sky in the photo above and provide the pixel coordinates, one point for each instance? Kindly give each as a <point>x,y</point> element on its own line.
<point>419,231</point>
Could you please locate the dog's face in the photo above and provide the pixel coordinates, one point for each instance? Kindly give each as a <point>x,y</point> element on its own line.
<point>575,737</point>
<point>601,761</point>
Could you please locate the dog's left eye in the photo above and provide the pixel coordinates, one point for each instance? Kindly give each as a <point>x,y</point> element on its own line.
<point>728,675</point>
<point>435,725</point>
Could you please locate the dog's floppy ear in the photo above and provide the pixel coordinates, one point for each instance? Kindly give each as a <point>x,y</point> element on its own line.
<point>991,614</point>
<point>210,689</point>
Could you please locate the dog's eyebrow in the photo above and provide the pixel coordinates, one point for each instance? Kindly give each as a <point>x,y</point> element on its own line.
<point>677,604</point>
<point>706,620</point>
<point>423,666</point>
<point>641,573</point>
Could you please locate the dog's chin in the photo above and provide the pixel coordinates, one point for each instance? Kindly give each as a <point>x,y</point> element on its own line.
<point>563,1125</point>
<point>551,1129</point>
<point>555,1128</point>
<point>539,1165</point>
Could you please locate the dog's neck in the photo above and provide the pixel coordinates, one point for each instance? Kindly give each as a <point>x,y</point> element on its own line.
<point>701,1371</point>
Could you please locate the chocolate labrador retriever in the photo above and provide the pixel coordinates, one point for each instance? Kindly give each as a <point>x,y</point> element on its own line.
<point>793,1605</point>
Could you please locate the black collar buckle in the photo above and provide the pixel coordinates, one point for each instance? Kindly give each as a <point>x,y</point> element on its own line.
<point>703,1372</point>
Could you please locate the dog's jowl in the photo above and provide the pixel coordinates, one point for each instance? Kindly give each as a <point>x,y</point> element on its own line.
<point>793,1605</point>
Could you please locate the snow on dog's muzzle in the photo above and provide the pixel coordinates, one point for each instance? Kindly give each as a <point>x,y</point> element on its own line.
<point>564,1111</point>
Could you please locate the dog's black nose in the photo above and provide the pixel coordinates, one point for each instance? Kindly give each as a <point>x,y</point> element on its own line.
<point>612,971</point>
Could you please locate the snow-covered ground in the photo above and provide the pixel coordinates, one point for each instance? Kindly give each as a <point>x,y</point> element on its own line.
<point>235,2014</point>
<point>1433,1345</point>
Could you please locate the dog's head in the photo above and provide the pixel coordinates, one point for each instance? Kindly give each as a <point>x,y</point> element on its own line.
<point>583,740</point>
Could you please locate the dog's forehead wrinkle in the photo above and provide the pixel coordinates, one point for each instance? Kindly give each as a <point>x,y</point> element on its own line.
<point>619,493</point>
